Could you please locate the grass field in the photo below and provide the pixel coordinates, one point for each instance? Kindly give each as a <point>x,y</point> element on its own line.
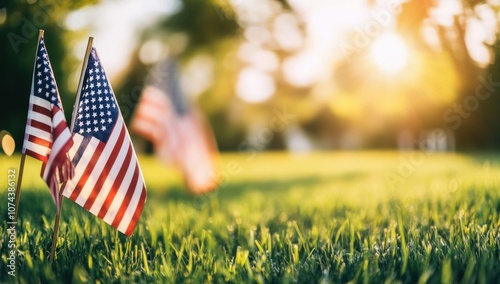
<point>363,217</point>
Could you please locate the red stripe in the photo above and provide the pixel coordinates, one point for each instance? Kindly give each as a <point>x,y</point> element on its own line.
<point>35,155</point>
<point>87,171</point>
<point>39,141</point>
<point>137,213</point>
<point>60,128</point>
<point>104,174</point>
<point>126,199</point>
<point>40,125</point>
<point>116,185</point>
<point>42,110</point>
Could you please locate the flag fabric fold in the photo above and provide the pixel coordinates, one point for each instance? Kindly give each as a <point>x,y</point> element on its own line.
<point>47,136</point>
<point>108,181</point>
<point>179,133</point>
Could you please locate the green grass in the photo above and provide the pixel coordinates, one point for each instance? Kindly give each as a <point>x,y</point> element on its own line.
<point>322,218</point>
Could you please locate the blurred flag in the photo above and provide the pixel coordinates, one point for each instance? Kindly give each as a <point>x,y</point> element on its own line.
<point>108,181</point>
<point>47,136</point>
<point>179,133</point>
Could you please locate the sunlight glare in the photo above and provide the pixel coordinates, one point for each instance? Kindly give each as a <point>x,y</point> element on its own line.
<point>389,53</point>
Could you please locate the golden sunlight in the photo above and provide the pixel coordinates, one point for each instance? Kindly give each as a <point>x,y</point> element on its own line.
<point>389,52</point>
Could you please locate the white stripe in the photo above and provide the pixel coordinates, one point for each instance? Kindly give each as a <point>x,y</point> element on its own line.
<point>122,191</point>
<point>37,148</point>
<point>115,169</point>
<point>37,132</point>
<point>100,164</point>
<point>77,140</point>
<point>58,118</point>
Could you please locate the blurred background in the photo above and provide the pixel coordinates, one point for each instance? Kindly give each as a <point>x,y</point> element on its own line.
<point>298,75</point>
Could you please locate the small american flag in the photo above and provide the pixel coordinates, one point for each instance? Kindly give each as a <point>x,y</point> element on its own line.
<point>178,132</point>
<point>108,181</point>
<point>47,136</point>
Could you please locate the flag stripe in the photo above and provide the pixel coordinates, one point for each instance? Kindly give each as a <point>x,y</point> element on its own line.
<point>42,110</point>
<point>40,125</point>
<point>97,187</point>
<point>127,198</point>
<point>86,173</point>
<point>39,141</point>
<point>97,165</point>
<point>116,186</point>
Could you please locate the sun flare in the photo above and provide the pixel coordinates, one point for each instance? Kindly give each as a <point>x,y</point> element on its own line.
<point>389,52</point>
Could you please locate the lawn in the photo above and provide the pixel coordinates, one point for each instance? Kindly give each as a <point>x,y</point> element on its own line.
<point>328,217</point>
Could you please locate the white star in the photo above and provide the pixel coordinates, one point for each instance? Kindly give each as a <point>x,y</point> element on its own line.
<point>108,113</point>
<point>110,120</point>
<point>94,107</point>
<point>107,106</point>
<point>80,123</point>
<point>80,116</point>
<point>103,121</point>
<point>101,114</point>
<point>91,85</point>
<point>101,106</point>
<point>96,129</point>
<point>94,114</point>
<point>88,122</point>
<point>99,92</point>
<point>39,74</point>
<point>95,121</point>
<point>88,130</point>
<point>93,100</point>
<point>91,79</point>
<point>87,115</point>
<point>103,128</point>
<point>39,90</point>
<point>100,99</point>
<point>81,131</point>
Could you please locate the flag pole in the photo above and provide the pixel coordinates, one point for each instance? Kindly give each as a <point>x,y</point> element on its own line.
<point>73,116</point>
<point>23,155</point>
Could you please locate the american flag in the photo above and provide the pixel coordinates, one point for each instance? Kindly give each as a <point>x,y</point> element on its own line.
<point>108,181</point>
<point>47,136</point>
<point>178,131</point>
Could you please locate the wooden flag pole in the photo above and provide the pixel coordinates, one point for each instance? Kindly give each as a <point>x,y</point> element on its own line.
<point>23,156</point>
<point>73,116</point>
